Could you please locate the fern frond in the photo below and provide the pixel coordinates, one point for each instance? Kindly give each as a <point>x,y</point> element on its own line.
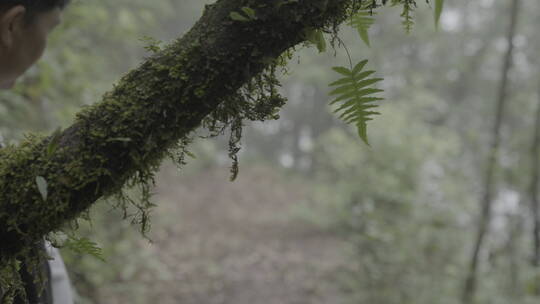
<point>439,4</point>
<point>354,93</point>
<point>362,21</point>
<point>84,246</point>
<point>407,15</point>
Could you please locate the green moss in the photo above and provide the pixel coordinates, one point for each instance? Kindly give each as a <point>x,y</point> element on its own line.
<point>219,75</point>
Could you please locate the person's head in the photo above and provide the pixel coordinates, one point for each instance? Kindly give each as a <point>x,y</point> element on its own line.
<point>24,27</point>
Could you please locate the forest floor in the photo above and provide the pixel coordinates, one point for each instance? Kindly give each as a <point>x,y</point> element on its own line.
<point>241,242</point>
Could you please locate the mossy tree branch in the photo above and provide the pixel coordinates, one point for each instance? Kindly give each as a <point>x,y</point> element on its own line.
<point>126,135</point>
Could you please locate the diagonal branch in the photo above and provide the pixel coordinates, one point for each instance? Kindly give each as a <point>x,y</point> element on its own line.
<point>128,133</point>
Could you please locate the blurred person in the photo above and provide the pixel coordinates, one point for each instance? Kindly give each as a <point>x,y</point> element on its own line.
<point>24,28</point>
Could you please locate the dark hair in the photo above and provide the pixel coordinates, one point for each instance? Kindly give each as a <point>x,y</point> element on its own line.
<point>34,6</point>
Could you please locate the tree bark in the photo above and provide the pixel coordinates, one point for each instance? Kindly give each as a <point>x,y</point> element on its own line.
<point>533,193</point>
<point>126,135</point>
<point>469,289</point>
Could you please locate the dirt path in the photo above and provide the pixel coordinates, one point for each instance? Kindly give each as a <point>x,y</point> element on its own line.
<point>237,243</point>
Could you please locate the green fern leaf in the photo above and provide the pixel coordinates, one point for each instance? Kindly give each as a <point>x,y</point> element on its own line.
<point>354,92</point>
<point>439,4</point>
<point>343,71</point>
<point>407,15</point>
<point>249,12</point>
<point>42,187</point>
<point>316,37</point>
<point>84,246</point>
<point>362,21</point>
<point>238,17</point>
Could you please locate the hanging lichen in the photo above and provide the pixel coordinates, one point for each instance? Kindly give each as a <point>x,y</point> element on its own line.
<point>219,75</point>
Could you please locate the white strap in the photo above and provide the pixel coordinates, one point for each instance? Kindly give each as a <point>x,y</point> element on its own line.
<point>61,286</point>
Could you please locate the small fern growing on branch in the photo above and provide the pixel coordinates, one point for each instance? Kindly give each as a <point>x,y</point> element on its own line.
<point>407,14</point>
<point>354,94</point>
<point>362,21</point>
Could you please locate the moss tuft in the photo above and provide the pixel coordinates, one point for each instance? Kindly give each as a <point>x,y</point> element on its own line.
<point>219,75</point>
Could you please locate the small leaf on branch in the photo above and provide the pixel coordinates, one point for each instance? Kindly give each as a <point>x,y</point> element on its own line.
<point>249,12</point>
<point>238,17</point>
<point>317,38</point>
<point>84,246</point>
<point>42,187</point>
<point>191,154</point>
<point>439,4</point>
<point>355,92</point>
<point>362,21</point>
<point>345,72</point>
<point>53,143</point>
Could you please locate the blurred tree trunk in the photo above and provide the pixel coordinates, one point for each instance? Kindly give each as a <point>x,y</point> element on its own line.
<point>46,183</point>
<point>470,287</point>
<point>515,229</point>
<point>533,191</point>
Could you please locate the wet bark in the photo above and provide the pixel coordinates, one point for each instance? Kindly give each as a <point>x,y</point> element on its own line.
<point>469,290</point>
<point>145,114</point>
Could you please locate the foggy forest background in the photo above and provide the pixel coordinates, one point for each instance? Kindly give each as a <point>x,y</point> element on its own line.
<point>316,216</point>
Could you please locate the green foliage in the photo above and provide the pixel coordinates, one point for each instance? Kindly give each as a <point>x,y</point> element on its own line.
<point>439,4</point>
<point>248,14</point>
<point>316,37</point>
<point>407,15</point>
<point>42,187</point>
<point>73,72</point>
<point>258,100</point>
<point>152,44</point>
<point>403,238</point>
<point>53,143</point>
<point>236,16</point>
<point>84,246</point>
<point>354,95</point>
<point>362,21</point>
